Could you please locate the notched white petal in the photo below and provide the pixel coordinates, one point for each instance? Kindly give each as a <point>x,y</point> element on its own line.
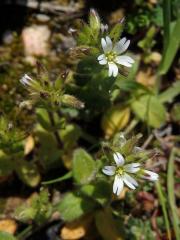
<point>129,181</point>
<point>113,69</point>
<point>121,46</point>
<point>118,185</point>
<point>124,60</point>
<point>108,44</point>
<point>26,80</point>
<point>132,167</point>
<point>101,57</point>
<point>119,159</point>
<point>103,62</point>
<point>109,170</point>
<point>103,43</point>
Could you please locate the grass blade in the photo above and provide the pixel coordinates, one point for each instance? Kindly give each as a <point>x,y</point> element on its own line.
<point>171,196</point>
<point>162,201</point>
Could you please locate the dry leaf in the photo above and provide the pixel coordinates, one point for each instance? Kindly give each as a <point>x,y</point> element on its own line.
<point>115,119</point>
<point>146,77</point>
<point>8,225</point>
<point>76,229</point>
<point>116,16</point>
<point>67,160</point>
<point>29,145</point>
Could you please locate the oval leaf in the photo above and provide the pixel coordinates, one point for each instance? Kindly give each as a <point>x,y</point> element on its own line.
<point>84,167</point>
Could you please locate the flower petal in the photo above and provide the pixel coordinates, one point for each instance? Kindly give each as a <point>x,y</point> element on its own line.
<point>103,43</point>
<point>129,181</point>
<point>132,167</point>
<point>118,185</point>
<point>119,159</point>
<point>149,175</point>
<point>121,46</point>
<point>101,57</point>
<point>103,61</point>
<point>118,46</point>
<point>109,170</point>
<point>124,60</point>
<point>109,44</point>
<point>26,80</point>
<point>113,69</point>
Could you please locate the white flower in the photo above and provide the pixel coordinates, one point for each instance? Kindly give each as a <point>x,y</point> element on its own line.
<point>111,55</point>
<point>122,174</point>
<point>149,175</point>
<point>26,80</point>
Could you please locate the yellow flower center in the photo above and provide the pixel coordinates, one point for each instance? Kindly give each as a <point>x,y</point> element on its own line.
<point>120,171</point>
<point>110,56</point>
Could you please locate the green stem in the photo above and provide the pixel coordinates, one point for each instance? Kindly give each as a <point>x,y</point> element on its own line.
<point>25,233</point>
<point>171,195</point>
<point>60,179</point>
<point>162,201</point>
<point>56,134</point>
<point>131,126</point>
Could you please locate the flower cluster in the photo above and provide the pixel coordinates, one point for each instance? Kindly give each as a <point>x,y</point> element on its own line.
<point>125,174</point>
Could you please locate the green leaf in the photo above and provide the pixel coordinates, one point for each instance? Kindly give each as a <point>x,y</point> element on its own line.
<point>44,119</point>
<point>116,31</point>
<point>100,191</point>
<point>70,135</point>
<point>170,93</point>
<point>72,206</point>
<point>171,49</point>
<point>48,154</point>
<point>28,173</point>
<point>6,236</point>
<point>128,147</point>
<point>149,109</point>
<point>6,164</point>
<point>175,112</point>
<point>84,167</point>
<point>106,225</point>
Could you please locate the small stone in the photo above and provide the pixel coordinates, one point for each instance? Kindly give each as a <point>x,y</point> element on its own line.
<point>35,40</point>
<point>76,229</point>
<point>42,18</point>
<point>155,57</point>
<point>8,37</point>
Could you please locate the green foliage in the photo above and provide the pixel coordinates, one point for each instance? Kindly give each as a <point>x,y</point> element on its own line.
<point>73,205</point>
<point>171,48</point>
<point>99,191</point>
<point>116,31</point>
<point>39,209</point>
<point>138,228</point>
<point>175,112</point>
<point>10,137</point>
<point>6,236</point>
<point>106,225</point>
<point>89,34</point>
<point>84,167</point>
<point>28,172</point>
<point>6,164</point>
<point>169,94</point>
<point>149,109</point>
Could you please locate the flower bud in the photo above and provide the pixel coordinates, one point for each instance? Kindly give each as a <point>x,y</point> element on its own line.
<point>94,20</point>
<point>72,101</point>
